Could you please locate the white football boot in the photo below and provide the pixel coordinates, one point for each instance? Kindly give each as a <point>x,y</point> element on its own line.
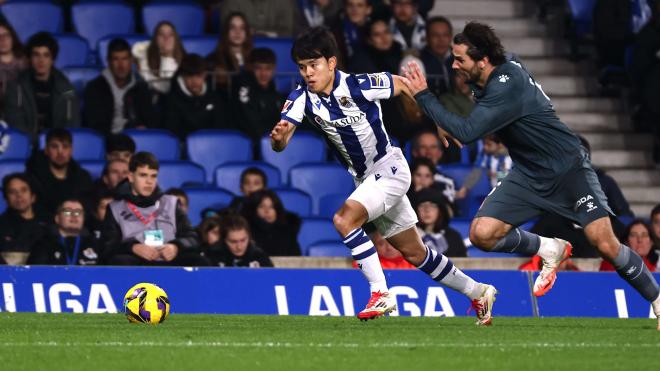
<point>552,257</point>
<point>483,306</point>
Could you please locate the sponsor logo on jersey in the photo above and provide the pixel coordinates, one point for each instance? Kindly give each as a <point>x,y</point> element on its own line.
<point>394,169</point>
<point>379,81</point>
<point>377,176</point>
<point>287,105</point>
<point>503,78</point>
<point>342,122</point>
<point>583,200</point>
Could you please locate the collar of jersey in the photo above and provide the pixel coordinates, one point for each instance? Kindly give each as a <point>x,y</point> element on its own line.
<point>335,84</point>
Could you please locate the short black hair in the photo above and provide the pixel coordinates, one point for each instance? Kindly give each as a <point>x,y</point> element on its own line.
<point>317,42</point>
<point>60,134</point>
<point>119,142</point>
<point>118,45</point>
<point>262,55</point>
<point>13,176</point>
<point>482,42</point>
<point>70,199</point>
<point>370,25</point>
<point>439,19</point>
<point>254,171</point>
<point>233,222</point>
<point>655,211</point>
<point>141,159</point>
<point>192,64</point>
<point>493,138</point>
<point>42,38</point>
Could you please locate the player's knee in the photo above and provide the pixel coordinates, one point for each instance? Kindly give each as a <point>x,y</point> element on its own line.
<point>482,235</point>
<point>343,223</point>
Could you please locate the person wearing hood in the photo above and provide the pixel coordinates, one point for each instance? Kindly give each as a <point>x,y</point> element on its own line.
<point>191,103</point>
<point>433,225</point>
<point>118,99</point>
<point>143,226</point>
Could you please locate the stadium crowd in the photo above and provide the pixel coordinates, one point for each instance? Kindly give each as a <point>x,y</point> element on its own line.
<point>58,213</point>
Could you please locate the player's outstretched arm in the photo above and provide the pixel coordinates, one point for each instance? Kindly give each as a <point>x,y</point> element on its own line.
<point>281,134</point>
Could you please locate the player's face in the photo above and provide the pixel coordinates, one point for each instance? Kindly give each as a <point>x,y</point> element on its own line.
<point>357,11</point>
<point>143,181</point>
<point>428,213</point>
<point>59,153</point>
<point>465,65</point>
<point>422,178</point>
<point>639,240</point>
<point>19,196</point>
<point>70,217</point>
<point>266,210</point>
<point>237,241</point>
<point>318,73</point>
<point>252,183</point>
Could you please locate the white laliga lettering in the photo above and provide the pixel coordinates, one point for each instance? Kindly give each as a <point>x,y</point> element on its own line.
<point>437,295</point>
<point>100,293</point>
<point>321,295</point>
<point>54,297</point>
<point>408,307</point>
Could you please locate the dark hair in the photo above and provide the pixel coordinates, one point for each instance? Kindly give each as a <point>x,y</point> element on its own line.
<point>119,142</point>
<point>317,42</point>
<point>482,42</point>
<point>13,176</point>
<point>118,45</point>
<point>253,201</point>
<point>655,211</point>
<point>153,53</point>
<point>221,56</point>
<point>207,225</point>
<point>16,44</point>
<point>254,171</point>
<point>415,140</point>
<point>233,222</point>
<point>191,65</point>
<point>262,55</point>
<point>436,197</point>
<point>107,165</point>
<point>370,24</point>
<point>60,134</point>
<point>177,192</point>
<point>42,39</point>
<point>635,222</point>
<point>493,138</point>
<point>439,19</point>
<point>141,159</point>
<point>71,199</point>
<point>422,161</point>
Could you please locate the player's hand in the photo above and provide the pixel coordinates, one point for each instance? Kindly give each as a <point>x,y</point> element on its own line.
<point>415,79</point>
<point>444,135</point>
<point>146,252</point>
<point>279,131</point>
<point>169,251</point>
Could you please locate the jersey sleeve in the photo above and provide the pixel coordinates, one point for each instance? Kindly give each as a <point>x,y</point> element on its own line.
<point>293,110</point>
<point>376,86</point>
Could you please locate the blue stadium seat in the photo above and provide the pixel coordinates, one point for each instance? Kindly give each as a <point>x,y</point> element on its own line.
<point>18,147</point>
<point>95,20</point>
<point>334,248</point>
<point>162,143</point>
<point>228,175</point>
<point>74,51</point>
<point>94,168</point>
<point>103,43</point>
<point>462,225</point>
<point>330,204</point>
<point>179,173</point>
<point>286,70</point>
<point>211,148</point>
<point>314,230</point>
<point>11,166</point>
<point>303,147</point>
<point>468,207</point>
<point>319,180</point>
<point>295,201</point>
<point>30,17</point>
<point>88,144</point>
<point>187,18</point>
<point>582,13</point>
<point>202,45</point>
<point>80,76</point>
<point>3,205</point>
<point>201,198</point>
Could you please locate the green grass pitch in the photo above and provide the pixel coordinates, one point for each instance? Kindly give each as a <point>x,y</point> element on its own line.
<point>219,342</point>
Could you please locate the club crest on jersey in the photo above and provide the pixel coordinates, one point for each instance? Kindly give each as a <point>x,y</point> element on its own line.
<point>503,78</point>
<point>345,102</point>
<point>286,106</point>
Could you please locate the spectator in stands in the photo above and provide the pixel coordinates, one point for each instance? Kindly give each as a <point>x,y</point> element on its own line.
<point>273,229</point>
<point>253,179</point>
<point>236,248</point>
<point>423,177</point>
<point>655,225</point>
<point>349,28</point>
<point>191,103</point>
<point>494,160</point>
<point>436,55</point>
<point>433,213</point>
<point>69,242</point>
<point>380,54</point>
<point>159,58</point>
<point>145,227</point>
<point>427,144</point>
<point>612,31</point>
<point>42,97</point>
<point>459,98</point>
<point>96,213</point>
<point>209,232</point>
<point>56,175</point>
<point>180,194</point>
<point>408,27</point>
<point>12,60</point>
<point>114,172</point>
<point>234,47</point>
<point>256,101</point>
<point>118,99</point>
<point>23,225</point>
<point>119,147</point>
<point>315,13</point>
<point>638,237</point>
<point>272,18</point>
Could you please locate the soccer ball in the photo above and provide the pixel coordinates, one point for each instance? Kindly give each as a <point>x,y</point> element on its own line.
<point>146,303</point>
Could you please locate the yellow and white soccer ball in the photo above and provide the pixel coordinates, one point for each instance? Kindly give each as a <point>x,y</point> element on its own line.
<point>146,303</point>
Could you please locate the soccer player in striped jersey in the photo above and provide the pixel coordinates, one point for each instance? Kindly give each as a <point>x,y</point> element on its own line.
<point>346,109</point>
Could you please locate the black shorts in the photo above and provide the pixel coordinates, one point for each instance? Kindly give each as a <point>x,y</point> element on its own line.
<point>577,196</point>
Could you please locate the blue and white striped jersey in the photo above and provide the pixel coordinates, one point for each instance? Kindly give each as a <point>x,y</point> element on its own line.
<point>350,117</point>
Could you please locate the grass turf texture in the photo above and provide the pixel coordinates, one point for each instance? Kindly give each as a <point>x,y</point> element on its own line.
<point>182,342</point>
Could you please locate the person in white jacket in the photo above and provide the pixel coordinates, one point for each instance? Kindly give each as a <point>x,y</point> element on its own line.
<point>159,58</point>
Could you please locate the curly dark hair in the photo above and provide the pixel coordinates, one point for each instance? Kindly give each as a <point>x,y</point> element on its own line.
<point>482,42</point>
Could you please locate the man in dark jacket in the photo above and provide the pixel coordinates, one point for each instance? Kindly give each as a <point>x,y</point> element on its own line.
<point>191,105</point>
<point>42,97</point>
<point>144,226</point>
<point>235,248</point>
<point>56,175</point>
<point>118,98</point>
<point>436,55</point>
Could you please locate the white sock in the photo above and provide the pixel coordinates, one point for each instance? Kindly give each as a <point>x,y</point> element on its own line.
<point>364,254</point>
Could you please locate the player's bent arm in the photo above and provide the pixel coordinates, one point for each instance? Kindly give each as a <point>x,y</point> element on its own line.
<point>281,134</point>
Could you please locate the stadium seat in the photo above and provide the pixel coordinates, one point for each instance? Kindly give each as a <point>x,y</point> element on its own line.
<point>334,248</point>
<point>11,166</point>
<point>468,206</point>
<point>179,173</point>
<point>95,20</point>
<point>94,168</point>
<point>30,17</point>
<point>228,175</point>
<point>314,230</point>
<point>74,51</point>
<point>303,147</point>
<point>187,18</point>
<point>3,205</point>
<point>462,225</point>
<point>286,70</point>
<point>103,43</point>
<point>295,201</point>
<point>88,144</point>
<point>211,148</point>
<point>319,180</point>
<point>330,204</point>
<point>582,13</point>
<point>18,147</point>
<point>202,198</point>
<point>202,45</point>
<point>80,76</point>
<point>162,143</point>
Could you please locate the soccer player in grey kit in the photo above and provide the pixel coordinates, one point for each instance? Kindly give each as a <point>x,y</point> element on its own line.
<point>551,173</point>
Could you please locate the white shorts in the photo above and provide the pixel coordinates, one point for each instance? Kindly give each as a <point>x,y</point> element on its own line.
<point>383,193</point>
